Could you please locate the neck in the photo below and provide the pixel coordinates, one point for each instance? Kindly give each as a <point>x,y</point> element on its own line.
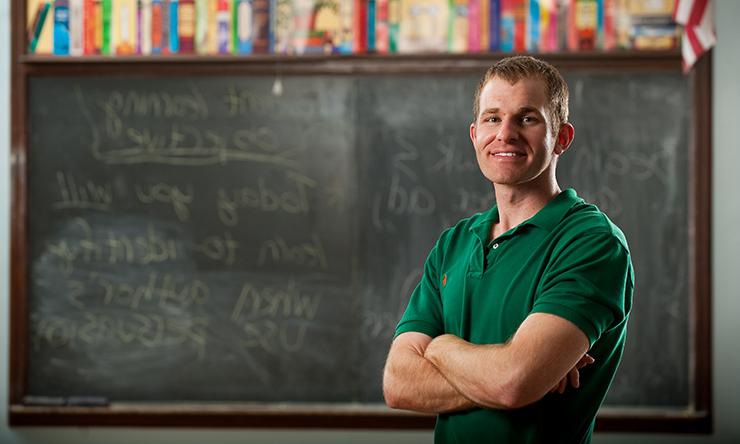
<point>519,203</point>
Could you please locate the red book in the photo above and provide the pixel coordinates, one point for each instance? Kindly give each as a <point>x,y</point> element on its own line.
<point>360,27</point>
<point>88,23</point>
<point>186,26</point>
<point>520,25</point>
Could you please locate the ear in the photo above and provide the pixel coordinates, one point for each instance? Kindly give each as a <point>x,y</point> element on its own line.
<point>565,138</point>
<point>472,133</point>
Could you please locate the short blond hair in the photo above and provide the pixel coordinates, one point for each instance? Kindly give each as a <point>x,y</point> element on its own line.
<point>513,69</point>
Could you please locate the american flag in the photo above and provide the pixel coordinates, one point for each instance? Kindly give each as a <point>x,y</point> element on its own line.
<point>697,18</point>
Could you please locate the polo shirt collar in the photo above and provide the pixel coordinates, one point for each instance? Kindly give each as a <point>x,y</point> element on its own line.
<point>547,218</point>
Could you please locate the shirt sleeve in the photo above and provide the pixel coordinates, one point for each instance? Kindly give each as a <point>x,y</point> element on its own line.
<point>589,282</point>
<point>424,311</point>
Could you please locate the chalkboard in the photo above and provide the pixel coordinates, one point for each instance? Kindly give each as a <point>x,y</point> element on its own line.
<point>213,239</point>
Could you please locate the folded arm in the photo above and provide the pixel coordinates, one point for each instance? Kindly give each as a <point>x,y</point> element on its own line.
<point>541,353</point>
<point>411,382</point>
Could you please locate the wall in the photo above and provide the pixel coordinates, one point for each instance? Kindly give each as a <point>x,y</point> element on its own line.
<point>725,281</point>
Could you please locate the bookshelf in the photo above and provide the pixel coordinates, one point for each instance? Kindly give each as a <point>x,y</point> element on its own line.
<point>693,416</point>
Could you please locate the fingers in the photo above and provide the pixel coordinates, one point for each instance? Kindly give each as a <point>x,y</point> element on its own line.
<point>575,378</point>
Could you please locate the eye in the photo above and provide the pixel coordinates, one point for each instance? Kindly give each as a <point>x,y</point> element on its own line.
<point>529,119</point>
<point>492,119</point>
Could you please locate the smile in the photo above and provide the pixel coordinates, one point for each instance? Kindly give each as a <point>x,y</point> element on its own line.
<point>508,154</point>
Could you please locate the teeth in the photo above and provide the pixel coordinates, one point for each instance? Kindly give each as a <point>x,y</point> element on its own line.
<point>506,154</point>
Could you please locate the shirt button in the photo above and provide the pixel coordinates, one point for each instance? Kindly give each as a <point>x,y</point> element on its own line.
<point>495,246</point>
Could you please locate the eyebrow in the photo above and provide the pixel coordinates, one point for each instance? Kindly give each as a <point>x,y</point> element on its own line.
<point>522,110</point>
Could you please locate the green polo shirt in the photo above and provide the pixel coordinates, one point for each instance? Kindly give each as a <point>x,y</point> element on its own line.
<point>570,260</point>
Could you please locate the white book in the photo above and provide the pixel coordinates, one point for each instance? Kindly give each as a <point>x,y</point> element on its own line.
<point>201,26</point>
<point>145,27</point>
<point>76,28</point>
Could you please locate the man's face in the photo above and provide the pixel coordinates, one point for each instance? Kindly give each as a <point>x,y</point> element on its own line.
<point>512,135</point>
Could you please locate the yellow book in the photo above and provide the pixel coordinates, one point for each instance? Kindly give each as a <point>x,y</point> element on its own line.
<point>45,43</point>
<point>123,27</point>
<point>423,25</point>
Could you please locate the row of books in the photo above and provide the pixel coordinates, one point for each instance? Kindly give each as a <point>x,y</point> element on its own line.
<point>151,27</point>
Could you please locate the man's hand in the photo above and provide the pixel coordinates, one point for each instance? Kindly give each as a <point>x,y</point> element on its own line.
<point>573,375</point>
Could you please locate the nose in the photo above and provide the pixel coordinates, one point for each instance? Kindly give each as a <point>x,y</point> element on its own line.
<point>507,131</point>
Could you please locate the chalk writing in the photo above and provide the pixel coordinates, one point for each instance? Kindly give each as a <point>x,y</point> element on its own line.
<point>146,330</point>
<point>310,254</point>
<point>219,248</point>
<point>78,194</point>
<point>167,194</point>
<point>163,290</point>
<point>264,198</point>
<point>274,302</point>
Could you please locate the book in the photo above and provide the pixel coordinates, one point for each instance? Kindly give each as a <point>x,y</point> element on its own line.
<point>61,27</point>
<point>457,31</point>
<point>532,27</point>
<point>242,26</point>
<point>156,32</point>
<point>76,27</point>
<point>394,24</point>
<point>381,27</point>
<point>202,12</point>
<point>223,27</point>
<point>507,27</point>
<point>123,27</point>
<point>484,25</point>
<point>549,25</point>
<point>144,28</point>
<point>173,26</point>
<point>475,36</point>
<point>494,25</point>
<point>261,26</point>
<point>186,26</point>
<point>423,26</point>
<point>359,26</point>
<point>89,28</point>
<point>520,25</point>
<point>105,20</point>
<point>37,25</point>
<point>372,12</point>
<point>585,24</point>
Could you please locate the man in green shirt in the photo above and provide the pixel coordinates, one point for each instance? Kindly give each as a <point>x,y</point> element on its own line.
<point>520,302</point>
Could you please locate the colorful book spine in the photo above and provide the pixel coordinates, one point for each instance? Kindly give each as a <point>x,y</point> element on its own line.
<point>61,27</point>
<point>359,46</point>
<point>457,30</point>
<point>201,26</point>
<point>484,24</point>
<point>157,33</point>
<point>520,25</point>
<point>145,28</point>
<point>105,36</point>
<point>494,25</point>
<point>173,29</point>
<point>186,26</point>
<point>123,30</point>
<point>242,26</point>
<point>37,25</point>
<point>474,25</point>
<point>76,28</point>
<point>532,33</point>
<point>507,23</point>
<point>394,25</point>
<point>372,12</point>
<point>223,31</point>
<point>609,41</point>
<point>165,26</point>
<point>381,26</point>
<point>262,27</point>
<point>586,23</point>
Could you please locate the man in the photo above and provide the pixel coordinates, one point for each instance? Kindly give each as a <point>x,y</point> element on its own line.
<point>519,302</point>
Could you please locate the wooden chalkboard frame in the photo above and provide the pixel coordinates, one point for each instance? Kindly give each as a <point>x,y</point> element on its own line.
<point>697,419</point>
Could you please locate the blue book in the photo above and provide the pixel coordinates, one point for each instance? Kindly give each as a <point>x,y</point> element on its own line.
<point>494,21</point>
<point>61,27</point>
<point>533,26</point>
<point>173,31</point>
<point>371,25</point>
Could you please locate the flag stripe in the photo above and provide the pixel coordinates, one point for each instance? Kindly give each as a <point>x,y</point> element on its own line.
<point>697,12</point>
